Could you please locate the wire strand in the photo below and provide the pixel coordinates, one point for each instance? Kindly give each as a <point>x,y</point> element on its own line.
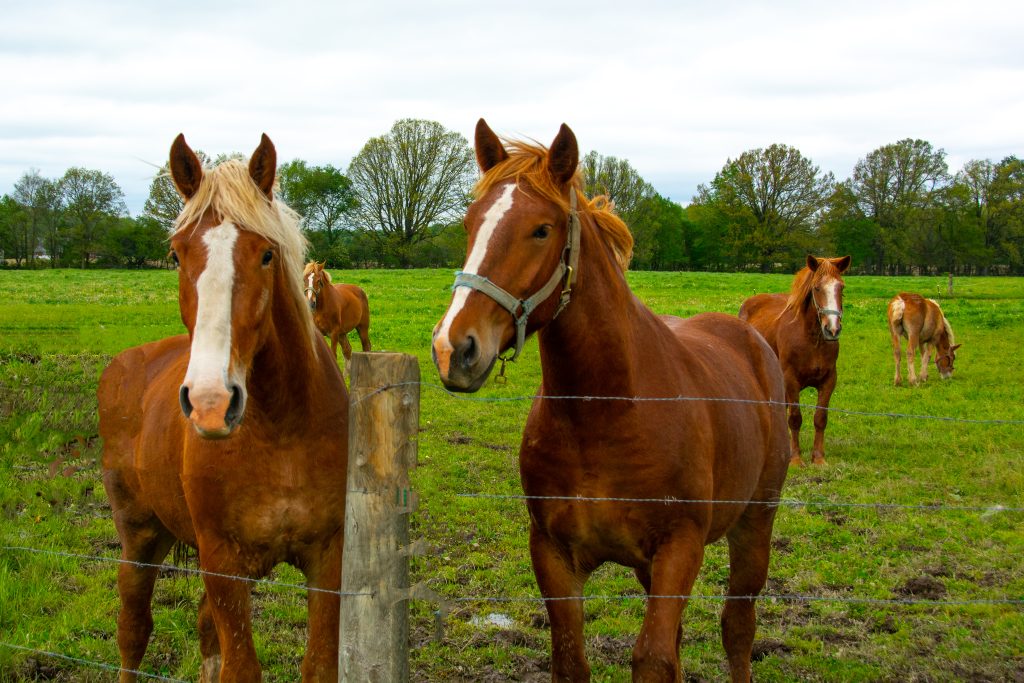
<point>89,662</point>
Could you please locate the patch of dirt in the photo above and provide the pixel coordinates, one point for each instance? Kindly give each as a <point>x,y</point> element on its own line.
<point>911,548</point>
<point>782,544</point>
<point>991,579</point>
<point>886,625</point>
<point>34,670</point>
<point>506,637</point>
<point>612,649</point>
<point>924,587</point>
<point>767,647</point>
<point>458,439</point>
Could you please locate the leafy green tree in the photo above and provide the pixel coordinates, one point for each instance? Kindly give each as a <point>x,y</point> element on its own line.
<point>29,192</point>
<point>135,242</point>
<point>93,202</point>
<point>894,182</point>
<point>324,198</point>
<point>413,177</point>
<point>770,199</point>
<point>846,230</point>
<point>1005,227</point>
<point>10,221</point>
<point>618,181</point>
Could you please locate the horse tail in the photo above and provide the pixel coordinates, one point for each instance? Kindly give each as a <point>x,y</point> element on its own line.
<point>365,318</point>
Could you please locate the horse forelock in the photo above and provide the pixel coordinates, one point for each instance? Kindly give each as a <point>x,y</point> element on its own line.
<point>526,166</point>
<point>229,191</point>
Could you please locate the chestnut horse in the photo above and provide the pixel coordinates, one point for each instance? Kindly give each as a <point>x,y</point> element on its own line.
<point>803,329</point>
<point>337,309</point>
<point>536,263</point>
<point>921,321</point>
<point>232,438</point>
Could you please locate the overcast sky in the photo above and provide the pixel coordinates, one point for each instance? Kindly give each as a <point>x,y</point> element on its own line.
<point>675,87</point>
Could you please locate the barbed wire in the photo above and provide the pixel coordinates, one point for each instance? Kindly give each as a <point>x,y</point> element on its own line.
<point>89,662</point>
<point>185,570</point>
<point>680,399</point>
<point>764,596</point>
<point>773,503</point>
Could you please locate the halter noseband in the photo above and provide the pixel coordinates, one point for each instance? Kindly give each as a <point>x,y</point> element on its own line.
<point>826,311</point>
<point>520,309</point>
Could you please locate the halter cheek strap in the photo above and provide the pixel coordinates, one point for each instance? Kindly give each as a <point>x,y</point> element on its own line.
<point>520,309</point>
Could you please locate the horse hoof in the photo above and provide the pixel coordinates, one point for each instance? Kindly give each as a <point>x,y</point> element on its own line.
<point>796,461</point>
<point>818,460</point>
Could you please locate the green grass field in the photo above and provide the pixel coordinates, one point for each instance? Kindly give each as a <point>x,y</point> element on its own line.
<point>58,329</point>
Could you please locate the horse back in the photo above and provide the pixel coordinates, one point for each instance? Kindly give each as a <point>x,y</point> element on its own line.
<point>911,313</point>
<point>355,305</point>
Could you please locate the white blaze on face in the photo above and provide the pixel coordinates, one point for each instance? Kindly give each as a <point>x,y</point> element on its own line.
<point>831,320</point>
<point>309,286</point>
<point>442,344</point>
<point>211,337</point>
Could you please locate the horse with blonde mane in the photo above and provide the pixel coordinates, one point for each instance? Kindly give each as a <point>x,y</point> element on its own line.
<point>803,330</point>
<point>922,322</point>
<point>337,309</point>
<point>542,258</point>
<point>232,439</point>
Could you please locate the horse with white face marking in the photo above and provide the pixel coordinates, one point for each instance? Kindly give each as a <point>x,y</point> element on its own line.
<point>543,258</point>
<point>803,329</point>
<point>337,308</point>
<point>232,438</point>
<point>922,322</point>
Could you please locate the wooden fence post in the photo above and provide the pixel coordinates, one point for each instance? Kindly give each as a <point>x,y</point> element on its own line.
<point>383,426</point>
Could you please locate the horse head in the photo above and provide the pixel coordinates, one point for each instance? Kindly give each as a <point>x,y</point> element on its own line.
<point>227,274</point>
<point>314,279</point>
<point>826,292</point>
<point>523,242</point>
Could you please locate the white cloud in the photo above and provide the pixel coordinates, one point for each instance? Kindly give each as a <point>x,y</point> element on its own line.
<point>675,87</point>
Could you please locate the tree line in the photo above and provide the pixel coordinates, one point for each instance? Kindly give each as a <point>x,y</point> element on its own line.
<point>400,203</point>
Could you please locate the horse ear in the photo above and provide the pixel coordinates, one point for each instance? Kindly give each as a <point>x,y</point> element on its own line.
<point>489,150</point>
<point>263,166</point>
<point>954,348</point>
<point>812,263</point>
<point>328,276</point>
<point>842,263</point>
<point>564,156</point>
<point>186,169</point>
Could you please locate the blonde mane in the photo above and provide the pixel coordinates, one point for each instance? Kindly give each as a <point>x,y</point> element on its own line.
<point>231,193</point>
<point>949,330</point>
<point>804,280</point>
<point>527,163</point>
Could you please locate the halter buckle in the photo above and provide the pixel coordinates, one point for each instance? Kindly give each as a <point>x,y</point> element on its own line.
<point>500,378</point>
<point>568,281</point>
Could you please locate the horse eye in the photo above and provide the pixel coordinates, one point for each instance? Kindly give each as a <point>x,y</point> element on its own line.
<point>268,256</point>
<point>174,257</point>
<point>542,232</point>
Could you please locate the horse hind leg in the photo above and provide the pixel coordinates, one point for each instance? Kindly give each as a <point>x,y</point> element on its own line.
<point>364,336</point>
<point>926,359</point>
<point>912,345</point>
<point>821,419</point>
<point>897,356</point>
<point>749,551</point>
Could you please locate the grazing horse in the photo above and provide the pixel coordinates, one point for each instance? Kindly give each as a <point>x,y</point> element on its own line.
<point>803,329</point>
<point>233,438</point>
<point>537,263</point>
<point>337,309</point>
<point>921,321</point>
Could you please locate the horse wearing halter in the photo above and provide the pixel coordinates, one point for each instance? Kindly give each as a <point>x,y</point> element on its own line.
<point>520,309</point>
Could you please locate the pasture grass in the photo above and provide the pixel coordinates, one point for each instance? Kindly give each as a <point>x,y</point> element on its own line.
<point>59,328</point>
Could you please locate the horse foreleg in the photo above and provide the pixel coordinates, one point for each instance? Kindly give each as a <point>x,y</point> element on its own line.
<point>229,600</point>
<point>926,358</point>
<point>557,580</point>
<point>749,550</point>
<point>821,419</point>
<point>209,646</point>
<point>674,569</point>
<point>334,344</point>
<point>795,420</point>
<point>321,661</point>
<point>346,348</point>
<point>149,546</point>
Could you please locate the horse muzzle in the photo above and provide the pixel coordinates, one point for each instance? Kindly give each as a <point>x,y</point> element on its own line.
<point>462,367</point>
<point>214,412</point>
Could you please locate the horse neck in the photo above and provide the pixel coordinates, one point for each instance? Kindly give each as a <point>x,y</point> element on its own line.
<point>807,315</point>
<point>286,373</point>
<point>588,349</point>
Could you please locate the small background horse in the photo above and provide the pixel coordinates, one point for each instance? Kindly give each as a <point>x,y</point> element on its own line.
<point>921,321</point>
<point>803,329</point>
<point>533,259</point>
<point>337,309</point>
<point>234,438</point>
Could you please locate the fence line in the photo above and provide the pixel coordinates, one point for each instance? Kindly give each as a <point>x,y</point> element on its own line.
<point>989,509</point>
<point>89,662</point>
<point>693,399</point>
<point>526,598</point>
<point>184,570</point>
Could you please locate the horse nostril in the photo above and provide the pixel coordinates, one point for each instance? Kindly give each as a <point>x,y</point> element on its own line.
<point>186,405</point>
<point>235,407</point>
<point>467,353</point>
